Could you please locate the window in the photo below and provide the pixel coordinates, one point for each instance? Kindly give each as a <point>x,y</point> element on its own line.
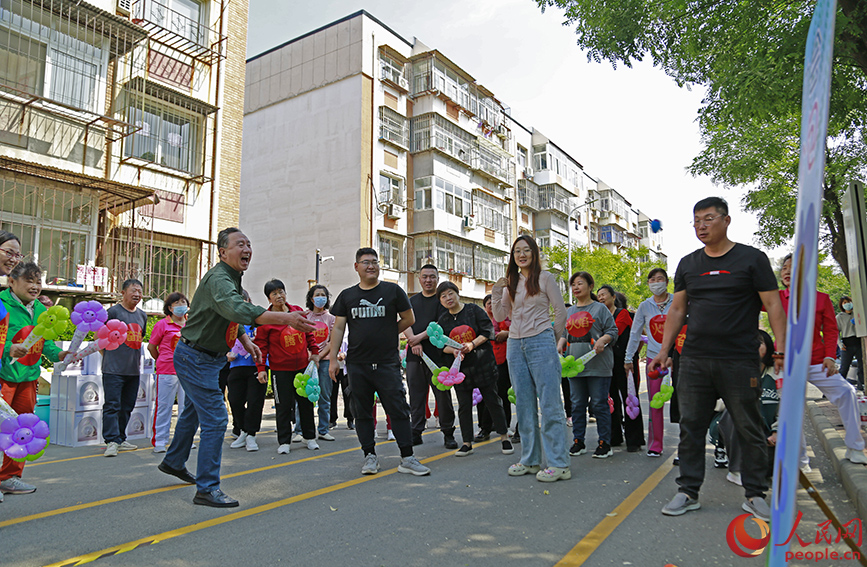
<point>492,213</point>
<point>168,135</point>
<point>540,158</point>
<point>522,157</point>
<point>186,18</point>
<point>393,127</point>
<point>433,131</point>
<point>447,253</point>
<point>390,190</point>
<point>390,251</point>
<point>489,264</point>
<point>451,198</point>
<point>55,226</point>
<point>43,56</point>
<point>391,70</point>
<point>423,193</point>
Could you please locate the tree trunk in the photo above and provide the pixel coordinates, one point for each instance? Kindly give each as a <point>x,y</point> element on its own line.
<point>832,215</point>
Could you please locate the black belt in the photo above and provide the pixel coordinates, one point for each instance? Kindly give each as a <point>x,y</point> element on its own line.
<point>201,349</point>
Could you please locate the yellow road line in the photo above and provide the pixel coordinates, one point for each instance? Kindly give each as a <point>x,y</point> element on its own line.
<point>94,504</point>
<point>150,540</point>
<point>582,551</point>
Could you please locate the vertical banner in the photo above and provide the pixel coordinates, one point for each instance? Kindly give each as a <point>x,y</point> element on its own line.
<point>802,300</point>
<point>855,229</point>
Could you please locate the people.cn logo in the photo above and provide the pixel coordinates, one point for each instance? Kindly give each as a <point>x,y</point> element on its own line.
<point>742,543</point>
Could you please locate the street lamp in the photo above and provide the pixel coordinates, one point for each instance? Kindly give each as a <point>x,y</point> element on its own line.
<point>319,260</point>
<point>569,233</point>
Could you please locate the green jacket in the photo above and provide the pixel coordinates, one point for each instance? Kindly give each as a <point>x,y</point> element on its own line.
<point>217,309</point>
<point>19,317</point>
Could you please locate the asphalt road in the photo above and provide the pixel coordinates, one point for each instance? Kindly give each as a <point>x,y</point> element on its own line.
<point>314,507</point>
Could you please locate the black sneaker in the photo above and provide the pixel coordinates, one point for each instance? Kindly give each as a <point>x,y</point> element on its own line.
<point>449,442</point>
<point>507,447</point>
<point>720,458</point>
<point>464,451</point>
<point>350,424</point>
<point>482,436</point>
<point>578,448</point>
<point>516,438</point>
<point>603,450</point>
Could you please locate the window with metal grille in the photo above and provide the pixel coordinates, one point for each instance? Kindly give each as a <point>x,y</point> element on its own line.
<point>393,127</point>
<point>390,250</point>
<point>168,135</point>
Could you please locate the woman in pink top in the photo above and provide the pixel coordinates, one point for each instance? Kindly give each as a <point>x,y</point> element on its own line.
<point>526,296</point>
<point>318,302</point>
<point>164,338</point>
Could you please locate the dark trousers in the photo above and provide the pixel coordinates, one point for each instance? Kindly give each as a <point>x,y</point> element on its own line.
<point>120,394</point>
<point>620,422</point>
<point>733,448</point>
<point>853,350</point>
<point>285,397</point>
<point>246,398</point>
<point>465,411</point>
<point>418,377</point>
<point>503,384</point>
<point>567,396</point>
<point>384,380</point>
<point>343,384</point>
<point>738,382</point>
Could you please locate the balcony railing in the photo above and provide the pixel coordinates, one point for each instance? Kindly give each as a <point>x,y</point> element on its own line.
<point>175,30</point>
<point>393,128</point>
<point>528,194</point>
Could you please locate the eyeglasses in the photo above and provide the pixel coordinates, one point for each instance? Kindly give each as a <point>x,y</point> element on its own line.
<point>366,263</point>
<point>705,221</point>
<point>12,255</point>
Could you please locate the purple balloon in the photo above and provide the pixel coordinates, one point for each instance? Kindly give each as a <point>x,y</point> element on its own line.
<point>88,316</point>
<point>477,396</point>
<point>632,412</point>
<point>23,436</point>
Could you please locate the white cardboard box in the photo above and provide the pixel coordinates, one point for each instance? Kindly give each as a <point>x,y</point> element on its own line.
<point>76,392</point>
<point>145,390</point>
<point>137,426</point>
<point>86,428</point>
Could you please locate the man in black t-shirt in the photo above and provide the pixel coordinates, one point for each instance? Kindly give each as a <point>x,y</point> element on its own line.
<point>426,307</point>
<point>722,288</point>
<point>377,312</point>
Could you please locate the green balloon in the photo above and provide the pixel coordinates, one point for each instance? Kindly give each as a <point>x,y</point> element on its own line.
<point>301,392</point>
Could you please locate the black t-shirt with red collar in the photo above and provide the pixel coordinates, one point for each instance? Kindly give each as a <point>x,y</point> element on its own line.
<point>723,302</point>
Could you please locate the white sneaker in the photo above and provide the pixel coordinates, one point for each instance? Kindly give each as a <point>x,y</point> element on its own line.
<point>806,469</point>
<point>194,446</point>
<point>159,448</point>
<point>241,441</point>
<point>127,446</point>
<point>297,438</point>
<point>283,449</point>
<point>390,435</point>
<point>312,445</point>
<point>251,443</point>
<point>734,478</point>
<point>111,450</point>
<point>377,434</point>
<point>327,437</point>
<point>856,456</point>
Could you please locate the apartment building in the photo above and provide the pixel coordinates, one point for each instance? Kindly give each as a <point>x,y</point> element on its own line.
<point>356,136</point>
<point>120,136</point>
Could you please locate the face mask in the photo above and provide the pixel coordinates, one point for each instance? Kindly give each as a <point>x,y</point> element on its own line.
<point>180,310</point>
<point>657,288</point>
<point>320,301</point>
<point>848,306</point>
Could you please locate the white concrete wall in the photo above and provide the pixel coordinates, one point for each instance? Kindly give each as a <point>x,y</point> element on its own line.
<point>300,188</point>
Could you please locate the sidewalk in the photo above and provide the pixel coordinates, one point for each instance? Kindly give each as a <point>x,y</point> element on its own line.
<point>826,421</point>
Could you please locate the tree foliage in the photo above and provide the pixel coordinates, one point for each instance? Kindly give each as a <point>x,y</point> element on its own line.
<point>625,272</point>
<point>749,56</point>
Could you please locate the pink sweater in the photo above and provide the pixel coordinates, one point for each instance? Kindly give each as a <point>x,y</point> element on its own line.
<point>530,314</point>
<point>165,336</point>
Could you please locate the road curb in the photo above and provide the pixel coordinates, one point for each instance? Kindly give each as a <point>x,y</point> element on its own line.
<point>853,477</point>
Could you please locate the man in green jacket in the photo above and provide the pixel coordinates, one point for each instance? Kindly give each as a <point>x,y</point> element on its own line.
<point>216,314</point>
<point>18,381</point>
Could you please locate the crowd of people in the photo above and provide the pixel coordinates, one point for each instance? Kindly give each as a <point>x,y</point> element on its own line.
<point>705,334</point>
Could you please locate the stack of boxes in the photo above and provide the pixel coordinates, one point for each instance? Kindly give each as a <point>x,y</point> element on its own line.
<point>77,396</point>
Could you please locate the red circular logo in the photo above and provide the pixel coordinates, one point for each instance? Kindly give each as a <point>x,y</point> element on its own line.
<point>462,334</point>
<point>292,341</point>
<point>578,324</point>
<point>231,334</point>
<point>133,336</point>
<point>321,332</point>
<point>657,327</point>
<point>742,543</point>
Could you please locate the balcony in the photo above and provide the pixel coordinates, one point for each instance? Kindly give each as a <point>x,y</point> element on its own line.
<point>178,31</point>
<point>528,194</point>
<point>489,159</point>
<point>393,128</point>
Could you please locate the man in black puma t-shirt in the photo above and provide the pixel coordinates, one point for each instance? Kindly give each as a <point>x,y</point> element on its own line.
<point>722,288</point>
<point>376,312</point>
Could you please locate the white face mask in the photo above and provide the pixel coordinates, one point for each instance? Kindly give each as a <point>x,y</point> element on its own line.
<point>657,288</point>
<point>848,306</point>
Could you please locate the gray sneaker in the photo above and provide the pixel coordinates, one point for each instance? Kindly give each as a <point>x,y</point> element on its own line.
<point>371,464</point>
<point>111,450</point>
<point>758,508</point>
<point>410,465</point>
<point>127,446</point>
<point>15,485</point>
<point>680,504</point>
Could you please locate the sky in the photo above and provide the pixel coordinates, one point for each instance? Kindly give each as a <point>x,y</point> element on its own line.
<point>634,128</point>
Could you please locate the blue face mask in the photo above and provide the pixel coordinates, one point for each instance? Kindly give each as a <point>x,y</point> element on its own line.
<point>848,306</point>
<point>180,310</point>
<point>320,301</point>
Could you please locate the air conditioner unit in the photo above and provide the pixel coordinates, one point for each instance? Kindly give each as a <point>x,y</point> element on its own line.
<point>124,7</point>
<point>404,84</point>
<point>469,222</point>
<point>528,173</point>
<point>393,211</point>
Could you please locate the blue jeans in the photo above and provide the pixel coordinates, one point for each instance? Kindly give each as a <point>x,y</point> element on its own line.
<point>324,403</point>
<point>534,368</point>
<point>596,389</point>
<point>199,375</point>
<point>120,394</point>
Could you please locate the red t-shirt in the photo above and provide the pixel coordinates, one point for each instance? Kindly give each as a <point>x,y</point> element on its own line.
<point>825,330</point>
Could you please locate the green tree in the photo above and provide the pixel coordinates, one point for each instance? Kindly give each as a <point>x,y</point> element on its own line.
<point>749,56</point>
<point>626,272</point>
